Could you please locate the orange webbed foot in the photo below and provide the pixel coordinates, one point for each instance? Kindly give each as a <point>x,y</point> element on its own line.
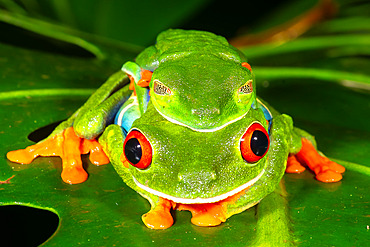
<point>69,147</point>
<point>326,170</point>
<point>159,217</point>
<point>211,214</point>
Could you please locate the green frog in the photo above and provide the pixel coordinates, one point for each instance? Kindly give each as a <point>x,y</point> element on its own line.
<point>183,127</point>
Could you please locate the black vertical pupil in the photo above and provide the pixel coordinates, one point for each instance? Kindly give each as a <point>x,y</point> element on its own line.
<point>259,143</point>
<point>133,150</point>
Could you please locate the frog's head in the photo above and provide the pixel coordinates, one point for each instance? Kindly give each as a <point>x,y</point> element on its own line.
<point>199,80</point>
<point>186,166</point>
<point>224,91</point>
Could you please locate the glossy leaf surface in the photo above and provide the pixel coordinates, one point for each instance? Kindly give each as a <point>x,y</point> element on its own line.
<point>40,87</point>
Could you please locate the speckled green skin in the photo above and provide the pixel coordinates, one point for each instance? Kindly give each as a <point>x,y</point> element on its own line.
<point>200,157</point>
<point>203,72</point>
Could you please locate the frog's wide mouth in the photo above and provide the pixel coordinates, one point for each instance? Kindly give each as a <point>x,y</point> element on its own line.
<point>200,200</point>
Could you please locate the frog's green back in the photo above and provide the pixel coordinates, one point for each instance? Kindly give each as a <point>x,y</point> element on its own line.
<point>175,44</point>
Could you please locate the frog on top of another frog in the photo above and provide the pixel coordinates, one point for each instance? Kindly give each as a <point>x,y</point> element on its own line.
<point>183,127</point>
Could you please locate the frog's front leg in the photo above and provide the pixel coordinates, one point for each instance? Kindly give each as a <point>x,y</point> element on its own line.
<point>208,214</point>
<point>159,217</point>
<point>69,147</point>
<point>326,170</point>
<point>76,135</point>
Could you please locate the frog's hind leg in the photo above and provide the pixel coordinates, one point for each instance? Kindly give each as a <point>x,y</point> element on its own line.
<point>76,135</point>
<point>326,170</point>
<point>101,110</point>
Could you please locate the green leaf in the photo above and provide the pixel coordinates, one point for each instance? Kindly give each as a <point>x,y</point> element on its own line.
<point>312,43</point>
<point>136,22</point>
<point>358,80</point>
<point>41,86</point>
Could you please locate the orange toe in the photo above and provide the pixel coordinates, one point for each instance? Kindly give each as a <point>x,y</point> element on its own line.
<point>293,166</point>
<point>74,175</point>
<point>21,156</point>
<point>157,219</point>
<point>336,167</point>
<point>160,216</point>
<point>329,176</point>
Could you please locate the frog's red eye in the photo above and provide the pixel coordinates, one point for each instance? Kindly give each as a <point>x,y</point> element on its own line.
<point>254,143</point>
<point>137,150</point>
<point>246,65</point>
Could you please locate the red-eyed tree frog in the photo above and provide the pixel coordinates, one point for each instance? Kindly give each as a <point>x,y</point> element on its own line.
<point>188,132</point>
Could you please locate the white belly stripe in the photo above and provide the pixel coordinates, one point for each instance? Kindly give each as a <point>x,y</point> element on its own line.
<point>201,130</point>
<point>200,200</point>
